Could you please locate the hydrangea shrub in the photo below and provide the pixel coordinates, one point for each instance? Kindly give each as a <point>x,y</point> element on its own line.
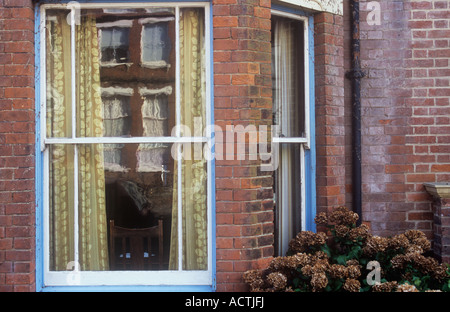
<point>344,260</point>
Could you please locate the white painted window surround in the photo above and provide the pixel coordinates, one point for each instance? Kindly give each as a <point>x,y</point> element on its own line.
<point>330,6</point>
<point>178,277</point>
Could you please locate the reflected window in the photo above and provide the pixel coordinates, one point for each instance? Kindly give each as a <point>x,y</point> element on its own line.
<point>156,44</point>
<point>114,45</point>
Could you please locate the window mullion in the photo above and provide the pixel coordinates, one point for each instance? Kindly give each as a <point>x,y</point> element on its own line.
<point>74,127</point>
<point>178,134</point>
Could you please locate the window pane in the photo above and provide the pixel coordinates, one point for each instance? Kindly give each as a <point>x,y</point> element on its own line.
<point>58,73</point>
<point>193,209</point>
<point>122,186</point>
<point>288,76</point>
<point>287,188</point>
<point>156,43</point>
<point>132,198</point>
<point>61,203</point>
<point>117,94</point>
<point>114,44</point>
<point>132,98</point>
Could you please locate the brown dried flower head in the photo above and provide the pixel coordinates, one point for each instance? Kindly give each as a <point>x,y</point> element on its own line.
<point>398,241</point>
<point>277,280</point>
<point>319,281</point>
<point>440,272</point>
<point>341,230</point>
<point>385,287</point>
<point>321,219</point>
<point>306,239</point>
<point>254,279</point>
<point>375,244</point>
<point>337,271</point>
<point>343,216</point>
<point>407,288</point>
<point>307,270</point>
<point>414,234</point>
<point>352,285</point>
<point>361,231</point>
<point>422,242</point>
<point>353,271</point>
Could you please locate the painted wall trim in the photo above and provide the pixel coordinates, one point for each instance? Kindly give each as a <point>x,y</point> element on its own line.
<point>330,6</point>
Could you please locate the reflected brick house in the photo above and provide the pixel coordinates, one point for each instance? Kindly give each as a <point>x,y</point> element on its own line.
<point>249,44</point>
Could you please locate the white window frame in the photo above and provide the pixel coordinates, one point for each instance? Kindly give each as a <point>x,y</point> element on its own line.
<point>285,212</point>
<point>121,278</point>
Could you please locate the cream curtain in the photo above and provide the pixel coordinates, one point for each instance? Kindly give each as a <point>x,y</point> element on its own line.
<point>193,104</point>
<point>92,226</point>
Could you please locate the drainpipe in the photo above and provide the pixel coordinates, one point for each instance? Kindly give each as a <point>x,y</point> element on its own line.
<point>355,75</point>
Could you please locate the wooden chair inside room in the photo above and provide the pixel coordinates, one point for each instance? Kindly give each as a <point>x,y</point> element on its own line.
<point>131,249</point>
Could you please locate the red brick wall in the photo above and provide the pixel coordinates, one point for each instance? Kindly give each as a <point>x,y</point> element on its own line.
<point>17,218</point>
<point>405,108</point>
<point>242,96</point>
<point>329,86</point>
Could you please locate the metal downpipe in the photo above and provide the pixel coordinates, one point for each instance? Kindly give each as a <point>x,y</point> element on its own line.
<point>355,74</point>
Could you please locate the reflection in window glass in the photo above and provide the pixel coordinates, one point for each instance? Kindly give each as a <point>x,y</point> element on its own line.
<point>114,45</point>
<point>156,43</point>
<point>121,172</point>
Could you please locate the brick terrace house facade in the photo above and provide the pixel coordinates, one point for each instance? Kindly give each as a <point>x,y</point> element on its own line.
<point>261,63</point>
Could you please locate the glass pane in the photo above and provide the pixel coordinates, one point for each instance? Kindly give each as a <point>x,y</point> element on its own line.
<point>58,73</point>
<point>288,76</point>
<point>288,203</point>
<point>61,203</point>
<point>194,211</point>
<point>192,71</point>
<point>114,45</point>
<point>117,94</point>
<point>156,43</point>
<point>124,206</point>
<point>121,89</point>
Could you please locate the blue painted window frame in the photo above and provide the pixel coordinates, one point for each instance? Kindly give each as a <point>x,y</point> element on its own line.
<point>310,154</point>
<point>40,286</point>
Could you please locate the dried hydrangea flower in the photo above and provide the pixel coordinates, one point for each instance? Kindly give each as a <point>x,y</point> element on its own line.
<point>440,272</point>
<point>306,239</point>
<point>361,231</point>
<point>398,262</point>
<point>353,271</point>
<point>254,279</point>
<point>321,265</point>
<point>398,241</point>
<point>407,288</point>
<point>414,234</point>
<point>375,244</point>
<point>341,230</point>
<point>422,242</point>
<point>319,281</point>
<point>277,280</point>
<point>320,255</point>
<point>352,285</point>
<point>337,271</point>
<point>321,219</point>
<point>343,216</point>
<point>385,287</point>
<point>352,262</point>
<point>307,270</point>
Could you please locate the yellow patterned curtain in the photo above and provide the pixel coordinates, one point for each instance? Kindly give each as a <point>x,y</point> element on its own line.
<point>193,105</point>
<point>92,225</point>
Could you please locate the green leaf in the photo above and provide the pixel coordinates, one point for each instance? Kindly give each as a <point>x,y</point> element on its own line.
<point>342,259</point>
